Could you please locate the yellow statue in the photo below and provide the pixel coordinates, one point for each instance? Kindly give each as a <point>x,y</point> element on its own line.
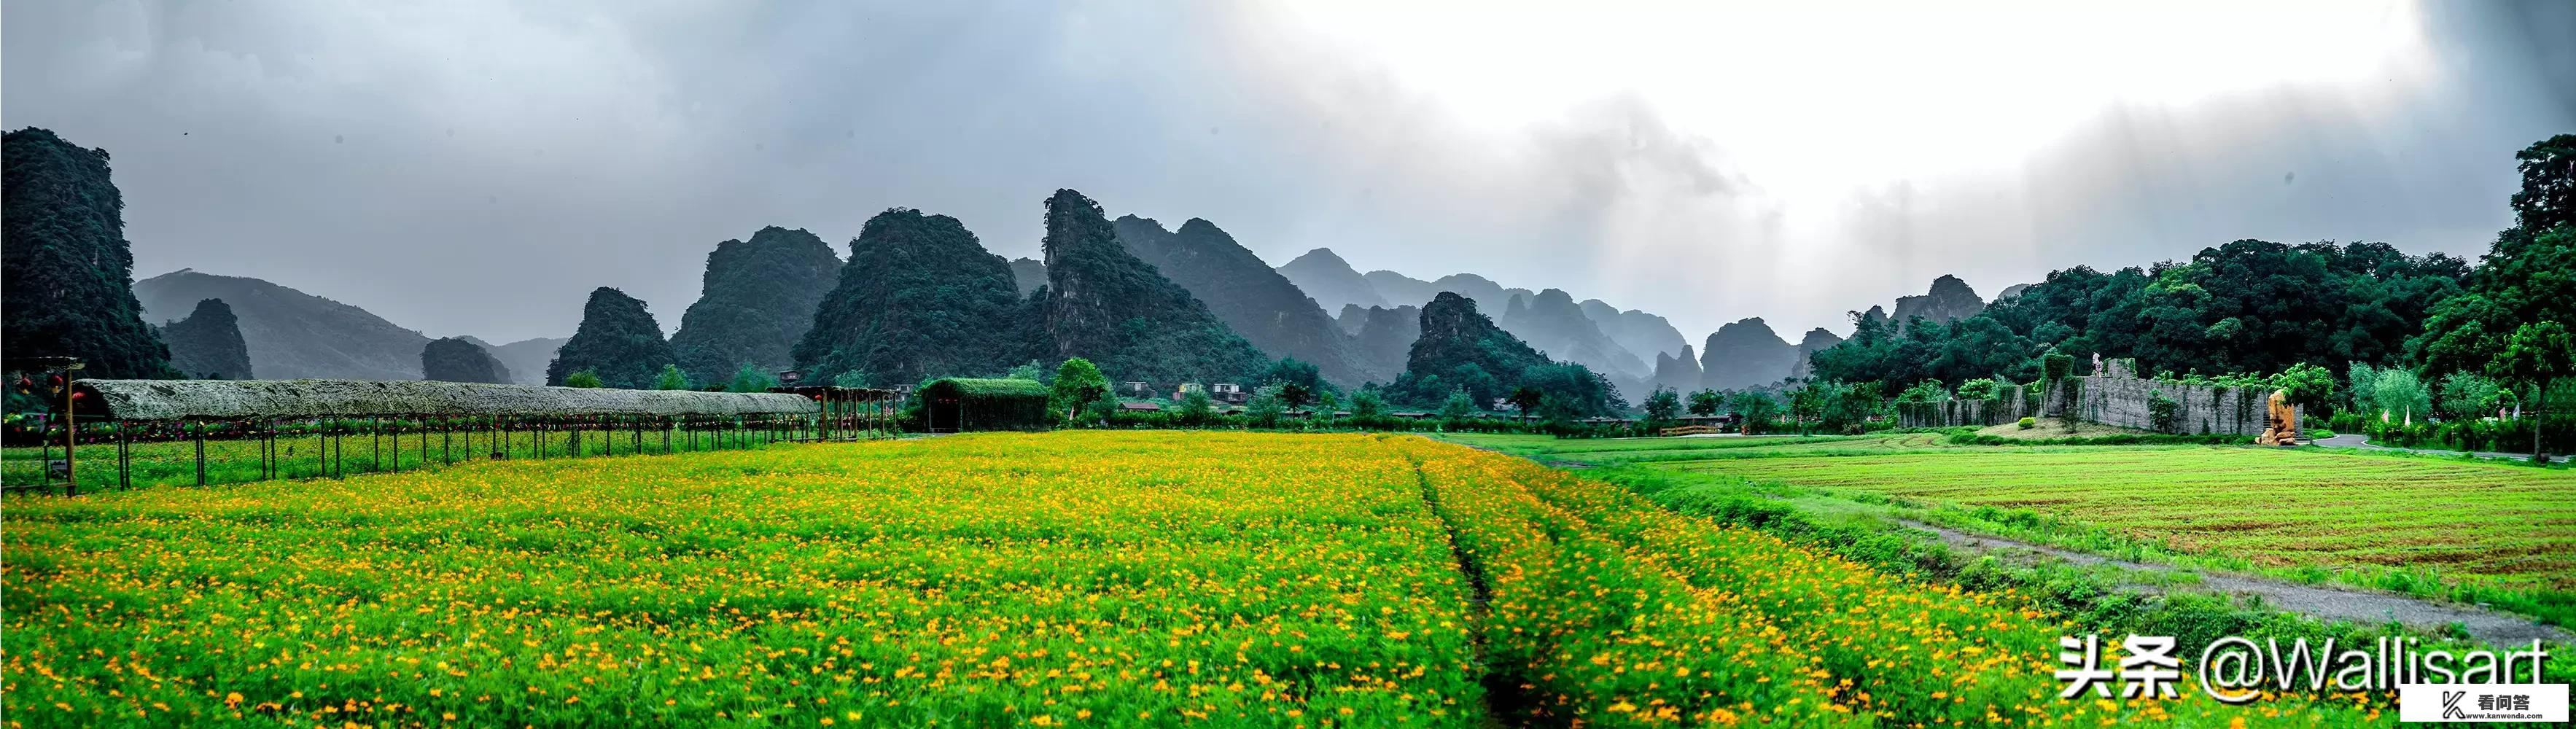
<point>2281,424</point>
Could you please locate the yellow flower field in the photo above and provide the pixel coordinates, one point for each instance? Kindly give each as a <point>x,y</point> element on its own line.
<point>1066,579</point>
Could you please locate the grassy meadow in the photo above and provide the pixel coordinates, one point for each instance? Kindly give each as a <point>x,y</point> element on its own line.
<point>2477,531</point>
<point>1064,579</point>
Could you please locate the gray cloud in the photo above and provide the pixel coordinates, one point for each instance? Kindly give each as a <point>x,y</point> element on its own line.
<point>476,167</point>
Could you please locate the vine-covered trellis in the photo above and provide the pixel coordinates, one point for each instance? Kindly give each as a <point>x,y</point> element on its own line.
<point>211,431</point>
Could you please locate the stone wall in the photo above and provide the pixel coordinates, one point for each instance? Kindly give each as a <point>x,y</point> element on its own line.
<point>2115,397</point>
<point>2203,409</point>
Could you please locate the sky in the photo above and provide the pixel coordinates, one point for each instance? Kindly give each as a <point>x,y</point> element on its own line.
<point>474,167</point>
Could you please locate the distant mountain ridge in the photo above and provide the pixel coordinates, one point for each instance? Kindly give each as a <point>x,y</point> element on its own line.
<point>756,300</point>
<point>1254,300</point>
<point>1104,304</point>
<point>292,334</point>
<point>1331,281</point>
<point>524,359</point>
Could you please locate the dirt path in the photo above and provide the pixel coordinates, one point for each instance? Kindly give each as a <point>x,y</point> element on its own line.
<point>2319,601</point>
<point>2363,442</point>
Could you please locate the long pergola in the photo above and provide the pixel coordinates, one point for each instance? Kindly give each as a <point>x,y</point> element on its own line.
<point>158,400</point>
<point>127,412</point>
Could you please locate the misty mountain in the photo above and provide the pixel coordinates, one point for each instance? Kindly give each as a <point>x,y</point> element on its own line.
<point>1386,335</point>
<point>525,359</point>
<point>1331,281</point>
<point>1948,300</point>
<point>1462,349</point>
<point>1253,299</point>
<point>1352,318</point>
<point>1029,274</point>
<point>618,341</point>
<point>292,334</point>
<point>67,289</point>
<point>2012,291</point>
<point>1640,333</point>
<point>1553,323</point>
<point>919,298</point>
<point>1679,373</point>
<point>1399,289</point>
<point>1745,353</point>
<point>1105,305</point>
<point>1817,340</point>
<point>756,300</point>
<point>460,359</point>
<point>208,344</point>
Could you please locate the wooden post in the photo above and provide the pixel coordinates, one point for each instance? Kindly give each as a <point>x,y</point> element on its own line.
<point>201,453</point>
<point>124,461</point>
<point>71,440</point>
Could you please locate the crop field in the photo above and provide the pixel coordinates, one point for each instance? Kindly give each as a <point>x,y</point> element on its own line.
<point>1067,579</point>
<point>2498,531</point>
<point>2275,507</point>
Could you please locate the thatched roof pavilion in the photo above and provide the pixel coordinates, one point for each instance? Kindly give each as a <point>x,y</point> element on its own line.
<point>228,399</point>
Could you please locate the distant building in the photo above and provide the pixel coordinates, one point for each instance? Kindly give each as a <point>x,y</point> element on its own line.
<point>1140,407</point>
<point>1228,392</point>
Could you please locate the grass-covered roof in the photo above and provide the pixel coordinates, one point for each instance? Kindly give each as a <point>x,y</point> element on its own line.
<point>991,387</point>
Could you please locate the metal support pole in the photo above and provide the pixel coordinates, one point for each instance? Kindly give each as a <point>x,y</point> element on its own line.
<point>201,453</point>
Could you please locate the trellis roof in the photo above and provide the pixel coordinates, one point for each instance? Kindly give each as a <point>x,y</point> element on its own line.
<point>177,399</point>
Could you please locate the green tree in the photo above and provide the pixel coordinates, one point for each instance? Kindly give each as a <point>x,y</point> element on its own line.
<point>1663,405</point>
<point>583,378</point>
<point>2547,198</point>
<point>1077,383</point>
<point>1927,391</point>
<point>2527,276</point>
<point>1458,407</point>
<point>1705,403</point>
<point>852,378</point>
<point>2468,396</point>
<point>1196,407</point>
<point>2398,392</point>
<point>68,287</point>
<point>1526,398</point>
<point>2308,386</point>
<point>750,378</point>
<point>1980,389</point>
<point>1293,395</point>
<point>1367,405</point>
<point>1031,371</point>
<point>1754,407</point>
<point>671,379</point>
<point>1265,409</point>
<point>2535,357</point>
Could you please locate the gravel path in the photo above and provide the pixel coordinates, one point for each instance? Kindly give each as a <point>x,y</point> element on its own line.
<point>2320,601</point>
<point>2363,442</point>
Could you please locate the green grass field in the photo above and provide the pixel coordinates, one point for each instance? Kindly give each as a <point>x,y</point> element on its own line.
<point>2409,523</point>
<point>1067,579</point>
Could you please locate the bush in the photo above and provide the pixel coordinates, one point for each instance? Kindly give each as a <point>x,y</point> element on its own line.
<point>2164,414</point>
<point>2029,423</point>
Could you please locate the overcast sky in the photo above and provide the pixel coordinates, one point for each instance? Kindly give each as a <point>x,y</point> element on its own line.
<point>476,167</point>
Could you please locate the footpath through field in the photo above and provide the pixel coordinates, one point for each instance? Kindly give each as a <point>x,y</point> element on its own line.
<point>2279,525</point>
